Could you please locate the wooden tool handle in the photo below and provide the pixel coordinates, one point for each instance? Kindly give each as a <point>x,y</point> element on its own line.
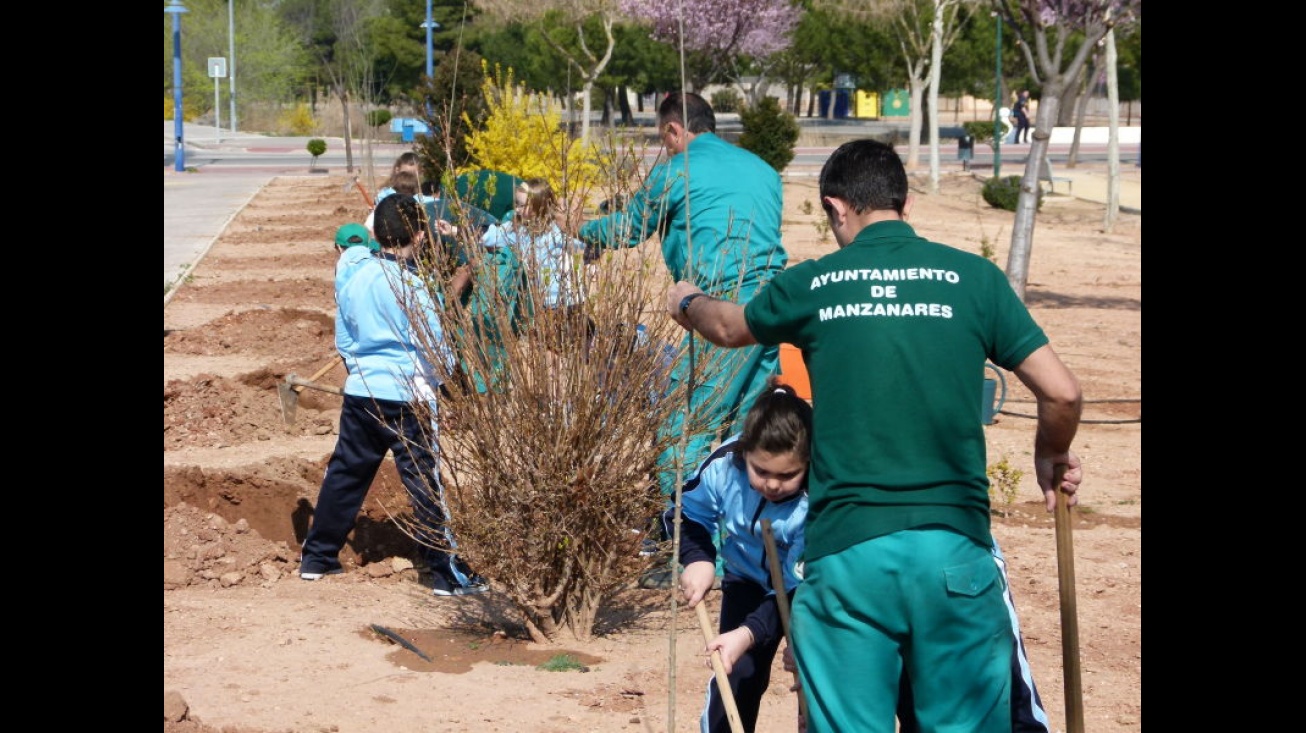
<point>782,602</point>
<point>1069,612</point>
<point>299,387</point>
<point>370,203</point>
<point>719,667</point>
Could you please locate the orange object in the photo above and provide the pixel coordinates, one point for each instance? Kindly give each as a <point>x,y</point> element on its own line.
<point>793,371</point>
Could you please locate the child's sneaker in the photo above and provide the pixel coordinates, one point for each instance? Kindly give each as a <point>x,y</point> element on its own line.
<point>445,587</point>
<point>656,578</point>
<point>317,575</point>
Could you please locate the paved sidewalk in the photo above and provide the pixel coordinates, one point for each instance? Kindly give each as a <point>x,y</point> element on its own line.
<point>197,206</point>
<point>1091,182</point>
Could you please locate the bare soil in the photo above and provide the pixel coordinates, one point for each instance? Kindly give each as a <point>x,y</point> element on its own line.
<point>250,648</point>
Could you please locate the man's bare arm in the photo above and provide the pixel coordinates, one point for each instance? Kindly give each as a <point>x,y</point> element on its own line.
<point>1060,402</point>
<point>720,322</point>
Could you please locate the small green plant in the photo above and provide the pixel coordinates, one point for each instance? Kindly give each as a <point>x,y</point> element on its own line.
<point>1004,192</point>
<point>987,250</point>
<point>561,663</point>
<point>981,130</point>
<point>807,207</point>
<point>823,230</point>
<point>770,132</point>
<point>378,117</point>
<point>726,100</point>
<point>316,147</point>
<point>1004,481</point>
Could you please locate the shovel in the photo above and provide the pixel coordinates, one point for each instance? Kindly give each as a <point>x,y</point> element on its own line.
<point>289,390</point>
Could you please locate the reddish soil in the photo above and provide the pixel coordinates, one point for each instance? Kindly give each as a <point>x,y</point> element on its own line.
<point>250,648</point>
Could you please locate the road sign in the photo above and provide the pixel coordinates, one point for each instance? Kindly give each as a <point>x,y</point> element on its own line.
<point>217,67</point>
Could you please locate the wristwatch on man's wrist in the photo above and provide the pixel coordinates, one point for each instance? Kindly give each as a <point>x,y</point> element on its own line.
<point>685,301</point>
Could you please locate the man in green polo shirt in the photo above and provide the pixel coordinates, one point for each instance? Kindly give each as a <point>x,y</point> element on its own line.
<point>719,224</point>
<point>895,331</point>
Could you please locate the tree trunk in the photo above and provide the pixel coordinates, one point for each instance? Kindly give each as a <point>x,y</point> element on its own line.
<point>936,68</point>
<point>1066,100</point>
<point>343,93</point>
<point>1113,135</point>
<point>623,103</point>
<point>1072,158</point>
<point>916,113</point>
<point>1022,229</point>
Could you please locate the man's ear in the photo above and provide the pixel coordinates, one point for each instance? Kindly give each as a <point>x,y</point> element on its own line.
<point>906,205</point>
<point>676,131</point>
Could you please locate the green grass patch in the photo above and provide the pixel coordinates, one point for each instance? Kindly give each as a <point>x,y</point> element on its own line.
<point>562,663</point>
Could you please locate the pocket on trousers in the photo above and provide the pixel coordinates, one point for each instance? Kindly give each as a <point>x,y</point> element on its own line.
<point>972,578</point>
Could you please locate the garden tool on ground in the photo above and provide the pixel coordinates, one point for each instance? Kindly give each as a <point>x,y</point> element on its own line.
<point>289,389</point>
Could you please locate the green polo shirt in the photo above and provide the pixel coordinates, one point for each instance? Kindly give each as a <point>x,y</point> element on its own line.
<point>895,331</point>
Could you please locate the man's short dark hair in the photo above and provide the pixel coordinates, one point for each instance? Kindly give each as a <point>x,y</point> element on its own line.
<point>688,109</point>
<point>868,174</point>
<point>398,220</point>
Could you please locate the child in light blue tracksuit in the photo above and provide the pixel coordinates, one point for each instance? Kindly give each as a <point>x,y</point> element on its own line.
<point>552,266</point>
<point>760,473</point>
<point>386,318</point>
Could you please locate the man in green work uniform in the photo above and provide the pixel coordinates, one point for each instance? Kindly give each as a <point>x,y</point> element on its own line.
<point>899,575</point>
<point>717,209</point>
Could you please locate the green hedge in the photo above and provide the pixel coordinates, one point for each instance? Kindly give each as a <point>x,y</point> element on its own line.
<point>1004,192</point>
<point>770,132</point>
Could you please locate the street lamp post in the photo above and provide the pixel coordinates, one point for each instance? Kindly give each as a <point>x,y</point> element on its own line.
<point>231,47</point>
<point>997,105</point>
<point>175,8</point>
<point>430,26</point>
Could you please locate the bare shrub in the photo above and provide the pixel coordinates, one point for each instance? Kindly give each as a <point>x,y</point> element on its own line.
<point>549,469</point>
<point>550,430</point>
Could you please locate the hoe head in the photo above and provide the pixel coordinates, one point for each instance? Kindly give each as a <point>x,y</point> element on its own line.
<point>289,401</point>
<point>288,391</point>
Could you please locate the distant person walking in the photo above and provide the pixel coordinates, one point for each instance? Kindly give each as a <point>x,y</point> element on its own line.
<point>1020,112</point>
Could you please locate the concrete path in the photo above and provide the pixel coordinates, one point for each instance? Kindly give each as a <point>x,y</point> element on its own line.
<point>196,209</point>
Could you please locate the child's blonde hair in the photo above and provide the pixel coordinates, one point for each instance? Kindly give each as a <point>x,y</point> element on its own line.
<point>541,202</point>
<point>405,181</point>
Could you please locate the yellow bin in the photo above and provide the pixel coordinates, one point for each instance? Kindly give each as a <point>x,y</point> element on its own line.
<point>793,372</point>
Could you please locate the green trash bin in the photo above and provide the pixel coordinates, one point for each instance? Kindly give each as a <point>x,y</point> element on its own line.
<point>896,103</point>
